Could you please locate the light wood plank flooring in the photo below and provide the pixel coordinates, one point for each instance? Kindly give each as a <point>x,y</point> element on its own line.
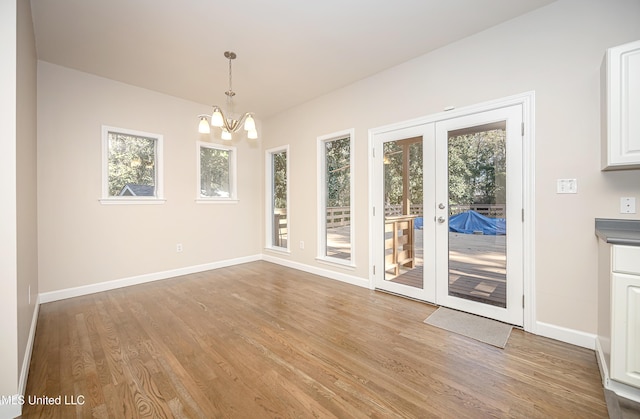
<point>259,340</point>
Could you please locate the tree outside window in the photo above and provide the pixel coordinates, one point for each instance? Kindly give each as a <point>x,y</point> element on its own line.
<point>216,177</point>
<point>132,163</point>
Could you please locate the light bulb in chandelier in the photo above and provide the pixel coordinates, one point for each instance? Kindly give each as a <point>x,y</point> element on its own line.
<point>249,123</point>
<point>226,135</point>
<point>203,126</point>
<point>217,120</point>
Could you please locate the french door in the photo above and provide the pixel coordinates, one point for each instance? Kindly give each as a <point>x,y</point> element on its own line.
<point>448,202</point>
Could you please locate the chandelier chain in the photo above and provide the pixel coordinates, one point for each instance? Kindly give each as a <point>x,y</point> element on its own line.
<point>230,93</point>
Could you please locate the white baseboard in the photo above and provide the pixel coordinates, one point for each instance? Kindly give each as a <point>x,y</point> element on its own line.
<point>11,410</point>
<point>26,361</point>
<point>563,334</point>
<point>47,297</point>
<point>574,337</point>
<point>349,279</point>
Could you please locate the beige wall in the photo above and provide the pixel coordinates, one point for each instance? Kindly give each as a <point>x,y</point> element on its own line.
<point>555,51</point>
<point>82,242</point>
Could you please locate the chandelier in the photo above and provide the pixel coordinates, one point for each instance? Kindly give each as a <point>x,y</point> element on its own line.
<point>230,124</point>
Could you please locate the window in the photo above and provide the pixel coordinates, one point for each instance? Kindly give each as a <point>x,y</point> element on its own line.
<point>131,166</point>
<point>336,228</point>
<point>277,187</point>
<point>216,173</point>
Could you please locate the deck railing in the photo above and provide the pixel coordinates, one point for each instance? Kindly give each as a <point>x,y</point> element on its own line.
<point>338,216</point>
<point>341,216</point>
<point>488,210</point>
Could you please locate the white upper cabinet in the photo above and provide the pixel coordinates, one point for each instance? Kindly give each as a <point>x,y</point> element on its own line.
<point>621,107</point>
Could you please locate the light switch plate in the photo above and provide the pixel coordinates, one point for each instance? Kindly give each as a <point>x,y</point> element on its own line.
<point>567,186</point>
<point>627,205</point>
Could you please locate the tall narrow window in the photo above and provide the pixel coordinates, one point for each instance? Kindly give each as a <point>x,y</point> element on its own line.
<point>132,166</point>
<point>277,166</point>
<point>336,197</point>
<point>216,173</point>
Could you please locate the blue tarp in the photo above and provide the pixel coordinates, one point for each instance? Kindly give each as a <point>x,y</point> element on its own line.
<point>469,222</point>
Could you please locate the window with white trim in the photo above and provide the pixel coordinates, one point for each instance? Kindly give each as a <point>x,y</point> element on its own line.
<point>131,166</point>
<point>277,187</point>
<point>336,192</point>
<point>216,173</point>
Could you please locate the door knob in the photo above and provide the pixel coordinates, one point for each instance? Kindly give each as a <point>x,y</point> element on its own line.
<point>441,206</point>
<point>441,219</point>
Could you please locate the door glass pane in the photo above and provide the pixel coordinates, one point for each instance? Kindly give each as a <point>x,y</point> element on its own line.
<point>403,234</point>
<point>477,211</point>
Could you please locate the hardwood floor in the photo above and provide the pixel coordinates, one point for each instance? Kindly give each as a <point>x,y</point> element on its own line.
<point>259,340</point>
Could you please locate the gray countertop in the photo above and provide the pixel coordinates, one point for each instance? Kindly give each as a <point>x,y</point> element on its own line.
<point>625,232</point>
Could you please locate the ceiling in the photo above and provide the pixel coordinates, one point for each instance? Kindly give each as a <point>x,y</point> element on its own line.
<point>289,51</point>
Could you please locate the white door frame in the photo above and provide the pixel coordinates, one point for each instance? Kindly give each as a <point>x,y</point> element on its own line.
<point>513,311</point>
<point>527,100</point>
<point>427,133</point>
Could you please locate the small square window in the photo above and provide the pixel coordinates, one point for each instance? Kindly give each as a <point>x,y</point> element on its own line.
<point>132,166</point>
<point>216,173</point>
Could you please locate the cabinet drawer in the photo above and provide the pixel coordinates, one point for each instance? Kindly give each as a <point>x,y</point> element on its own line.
<point>626,259</point>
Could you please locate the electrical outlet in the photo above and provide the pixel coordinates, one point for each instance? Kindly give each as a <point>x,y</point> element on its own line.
<point>567,186</point>
<point>179,247</point>
<point>627,205</point>
<point>301,244</point>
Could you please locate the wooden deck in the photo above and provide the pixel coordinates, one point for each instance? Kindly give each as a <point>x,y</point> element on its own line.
<point>477,268</point>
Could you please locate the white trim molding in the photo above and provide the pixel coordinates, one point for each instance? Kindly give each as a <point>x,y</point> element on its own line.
<point>527,101</point>
<point>50,296</point>
<point>232,153</point>
<point>322,197</point>
<point>158,197</point>
<point>269,198</point>
<point>563,334</point>
<point>326,273</point>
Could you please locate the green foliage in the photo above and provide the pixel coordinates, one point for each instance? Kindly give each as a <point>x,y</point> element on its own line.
<point>338,172</point>
<point>279,165</point>
<point>477,168</point>
<point>131,161</point>
<point>214,172</point>
<point>393,154</point>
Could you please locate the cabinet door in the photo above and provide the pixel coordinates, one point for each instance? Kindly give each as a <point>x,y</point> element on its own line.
<point>625,339</point>
<point>623,106</point>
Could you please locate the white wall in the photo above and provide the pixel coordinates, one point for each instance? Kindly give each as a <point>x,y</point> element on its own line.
<point>8,228</point>
<point>555,51</point>
<point>82,242</point>
<point>27,220</point>
<point>18,228</point>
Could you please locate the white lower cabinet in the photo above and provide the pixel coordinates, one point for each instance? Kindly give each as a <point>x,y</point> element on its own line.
<point>625,313</point>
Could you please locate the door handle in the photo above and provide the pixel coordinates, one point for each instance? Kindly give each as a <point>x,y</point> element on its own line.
<point>441,219</point>
<point>441,206</point>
